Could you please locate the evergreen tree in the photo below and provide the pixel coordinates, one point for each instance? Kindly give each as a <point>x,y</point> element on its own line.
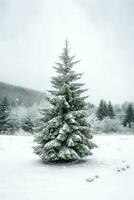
<point>4,113</point>
<point>102,110</point>
<point>110,110</point>
<point>28,125</point>
<point>129,116</point>
<point>65,134</point>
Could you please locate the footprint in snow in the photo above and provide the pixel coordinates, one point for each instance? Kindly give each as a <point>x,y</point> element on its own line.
<point>92,179</point>
<point>123,168</point>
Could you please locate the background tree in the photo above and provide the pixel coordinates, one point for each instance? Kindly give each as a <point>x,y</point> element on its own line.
<point>129,116</point>
<point>28,125</point>
<point>102,110</point>
<point>65,134</point>
<point>4,114</point>
<point>110,110</point>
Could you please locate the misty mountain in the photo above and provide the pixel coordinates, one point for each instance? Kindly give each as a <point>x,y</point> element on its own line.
<point>20,95</point>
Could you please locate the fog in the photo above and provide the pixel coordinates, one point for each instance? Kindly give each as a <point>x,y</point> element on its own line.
<point>32,35</point>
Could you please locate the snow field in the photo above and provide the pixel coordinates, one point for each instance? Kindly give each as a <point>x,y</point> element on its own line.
<point>107,175</point>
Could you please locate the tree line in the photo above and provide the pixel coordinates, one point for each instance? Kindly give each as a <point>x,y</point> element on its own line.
<point>10,122</point>
<point>107,110</point>
<point>13,116</point>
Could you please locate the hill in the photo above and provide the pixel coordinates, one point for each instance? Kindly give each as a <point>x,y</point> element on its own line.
<point>22,95</point>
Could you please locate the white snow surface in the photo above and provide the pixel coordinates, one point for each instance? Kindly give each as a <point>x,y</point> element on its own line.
<point>23,176</point>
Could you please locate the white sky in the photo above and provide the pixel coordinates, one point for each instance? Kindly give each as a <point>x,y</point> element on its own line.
<point>101,32</point>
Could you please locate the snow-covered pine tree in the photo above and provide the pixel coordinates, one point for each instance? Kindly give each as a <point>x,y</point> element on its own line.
<point>66,134</point>
<point>4,113</point>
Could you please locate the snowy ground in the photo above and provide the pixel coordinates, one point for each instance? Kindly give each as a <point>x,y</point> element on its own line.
<point>24,177</point>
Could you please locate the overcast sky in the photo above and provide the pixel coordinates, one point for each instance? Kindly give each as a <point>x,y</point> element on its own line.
<point>101,34</point>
